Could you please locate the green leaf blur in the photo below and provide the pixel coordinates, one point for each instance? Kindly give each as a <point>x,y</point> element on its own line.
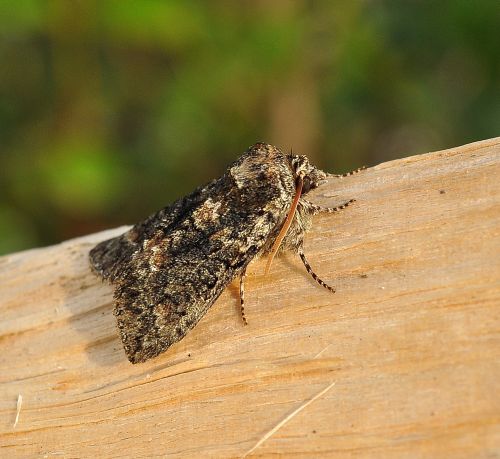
<point>109,110</point>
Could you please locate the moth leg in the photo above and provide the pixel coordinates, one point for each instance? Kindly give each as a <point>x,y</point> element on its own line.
<point>242,296</point>
<point>319,209</point>
<point>312,273</point>
<point>347,174</point>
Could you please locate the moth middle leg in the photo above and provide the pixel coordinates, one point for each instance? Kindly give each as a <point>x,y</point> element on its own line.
<point>320,209</point>
<point>242,296</point>
<point>311,272</point>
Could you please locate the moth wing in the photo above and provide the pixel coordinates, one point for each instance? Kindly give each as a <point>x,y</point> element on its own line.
<point>166,292</point>
<point>181,260</point>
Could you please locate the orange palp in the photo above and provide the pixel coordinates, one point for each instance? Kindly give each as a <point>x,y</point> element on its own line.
<point>286,225</point>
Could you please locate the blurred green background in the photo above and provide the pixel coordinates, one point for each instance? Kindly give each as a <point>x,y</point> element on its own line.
<point>111,109</point>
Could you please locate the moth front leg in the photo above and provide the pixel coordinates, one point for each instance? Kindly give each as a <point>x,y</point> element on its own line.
<point>311,272</point>
<point>242,295</point>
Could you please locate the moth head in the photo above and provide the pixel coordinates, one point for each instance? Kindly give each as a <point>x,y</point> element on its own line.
<point>311,177</point>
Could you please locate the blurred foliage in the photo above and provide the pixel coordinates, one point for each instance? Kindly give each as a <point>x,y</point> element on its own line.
<point>111,109</point>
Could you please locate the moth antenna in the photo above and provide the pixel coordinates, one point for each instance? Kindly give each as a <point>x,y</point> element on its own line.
<point>347,174</point>
<point>286,225</point>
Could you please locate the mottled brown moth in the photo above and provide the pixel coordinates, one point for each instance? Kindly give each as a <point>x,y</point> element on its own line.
<point>169,269</point>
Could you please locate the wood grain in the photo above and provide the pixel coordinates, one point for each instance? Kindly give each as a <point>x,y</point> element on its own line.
<point>402,362</point>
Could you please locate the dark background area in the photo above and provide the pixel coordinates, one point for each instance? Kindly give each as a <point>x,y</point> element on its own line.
<point>109,110</point>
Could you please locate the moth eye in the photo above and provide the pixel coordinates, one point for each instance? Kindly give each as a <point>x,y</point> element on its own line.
<point>306,186</point>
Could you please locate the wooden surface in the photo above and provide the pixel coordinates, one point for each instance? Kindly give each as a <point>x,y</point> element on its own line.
<point>403,361</point>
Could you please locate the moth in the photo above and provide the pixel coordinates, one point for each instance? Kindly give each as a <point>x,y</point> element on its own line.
<point>170,268</point>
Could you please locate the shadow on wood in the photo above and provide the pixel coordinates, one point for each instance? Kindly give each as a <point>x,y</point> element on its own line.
<point>403,361</point>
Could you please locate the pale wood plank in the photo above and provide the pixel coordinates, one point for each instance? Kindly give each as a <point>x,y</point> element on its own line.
<point>410,339</point>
